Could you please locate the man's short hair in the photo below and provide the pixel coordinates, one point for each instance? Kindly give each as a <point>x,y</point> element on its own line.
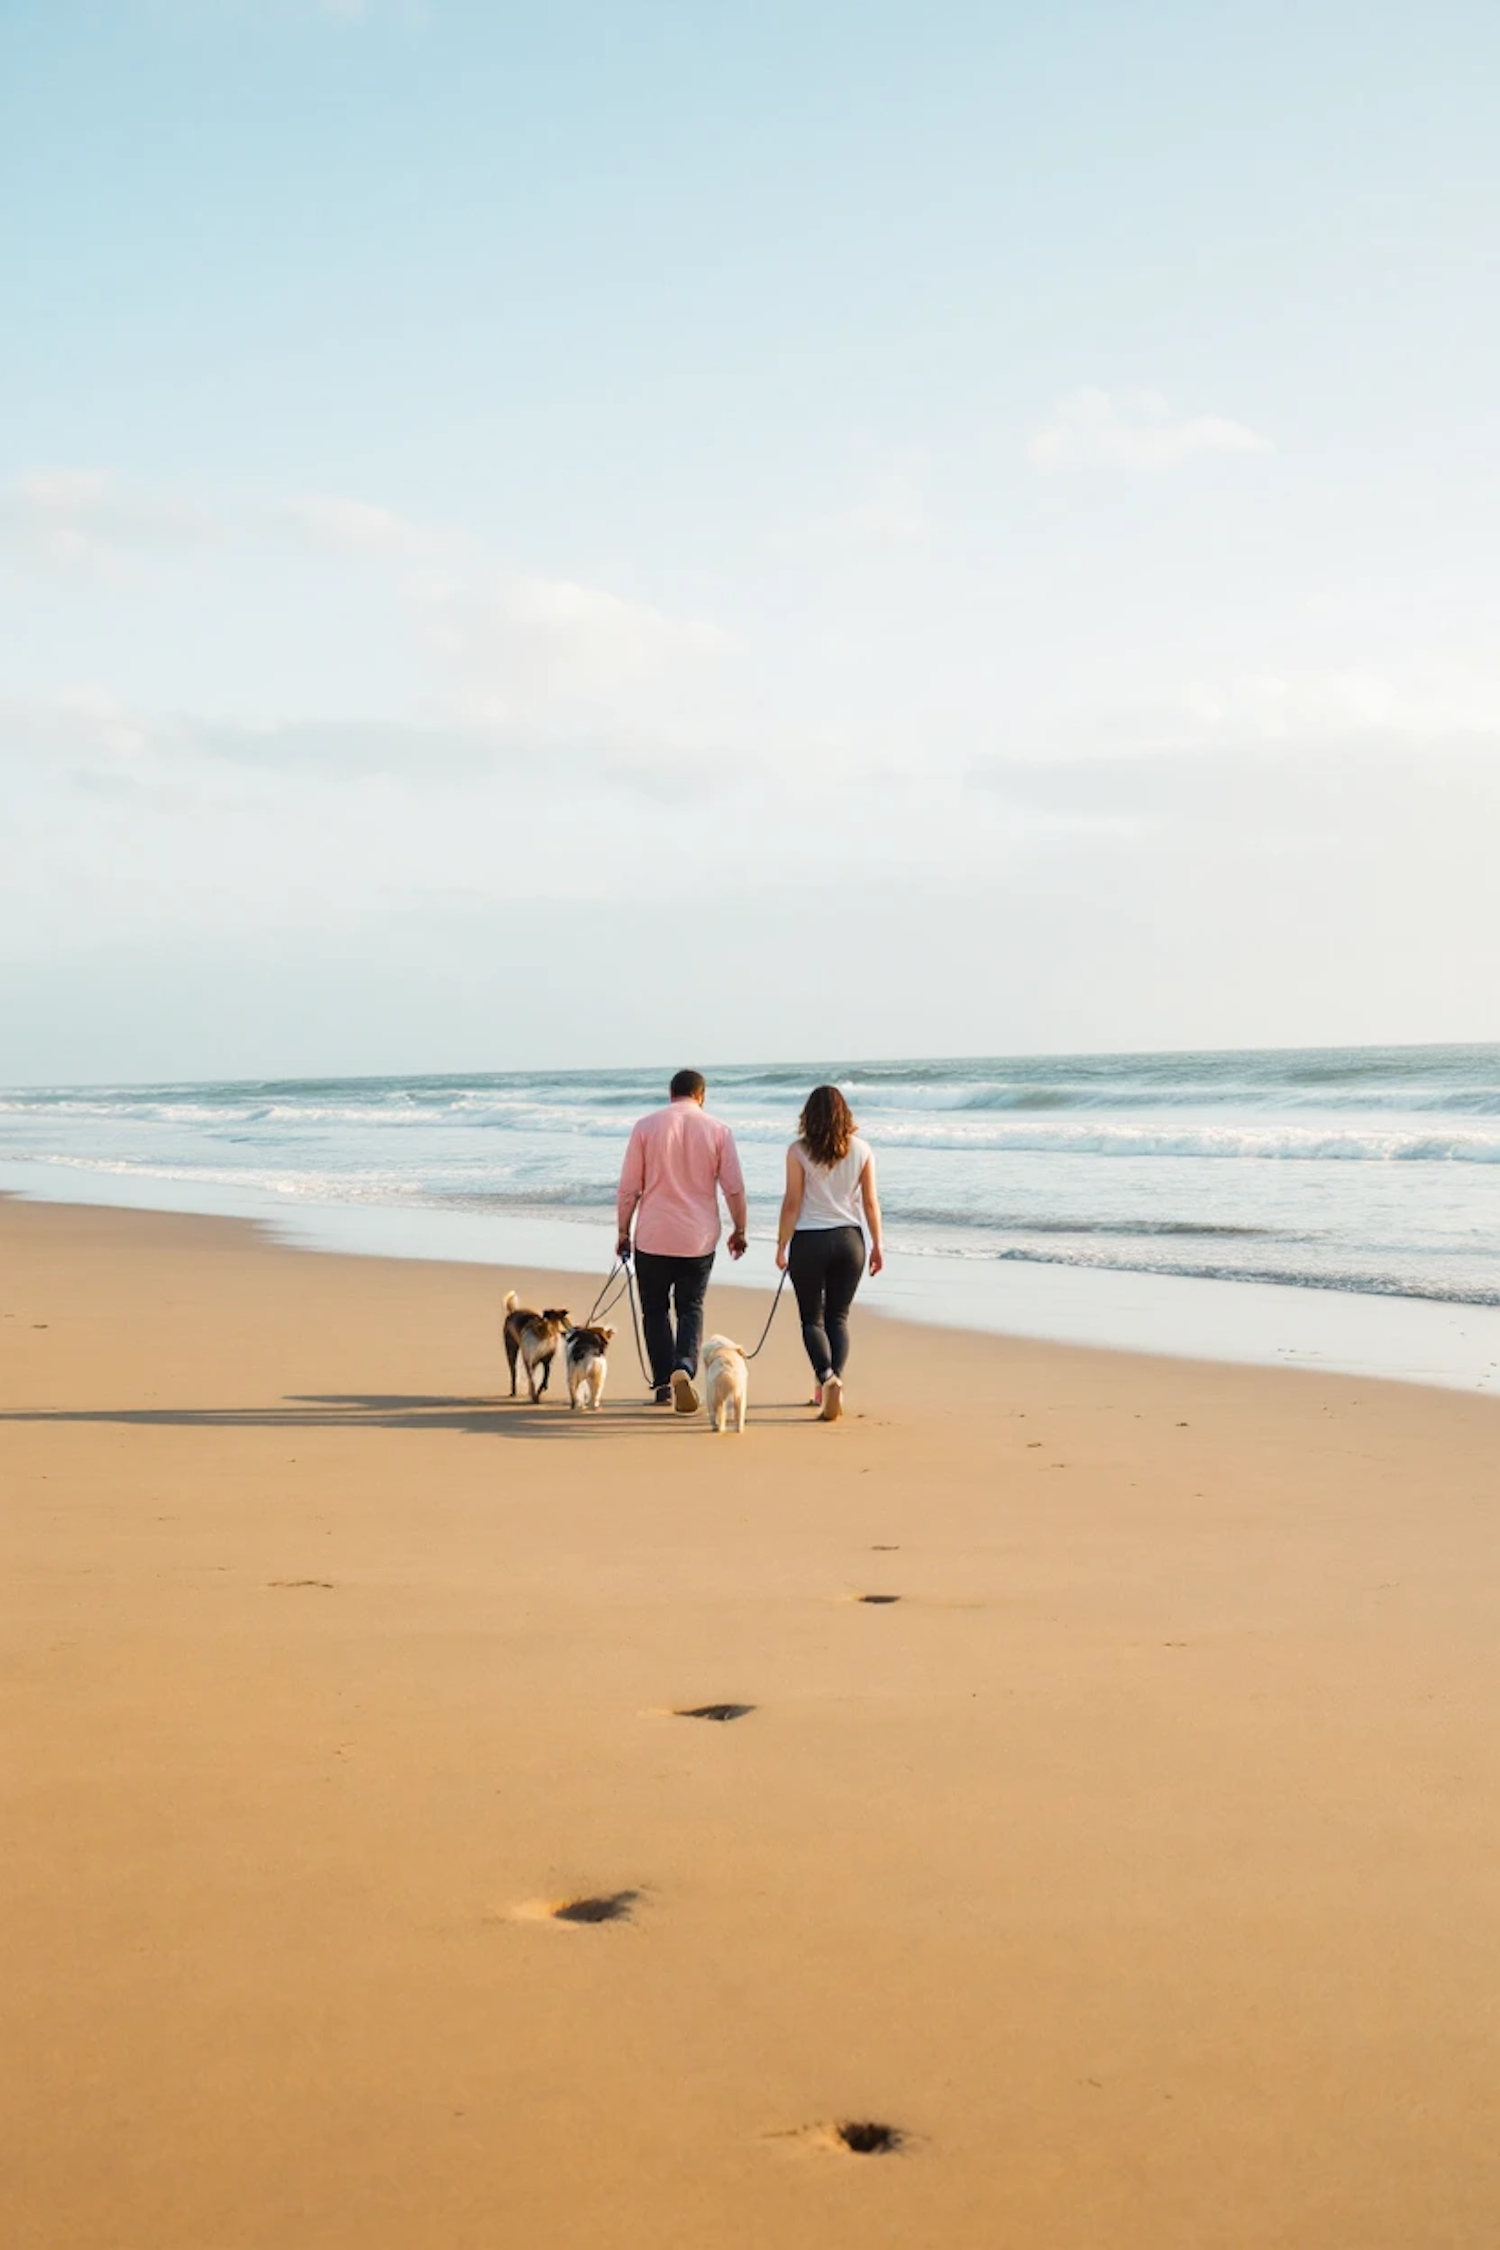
<point>688,1085</point>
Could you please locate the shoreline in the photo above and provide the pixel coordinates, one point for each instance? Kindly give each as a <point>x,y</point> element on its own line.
<point>1385,1338</point>
<point>1112,1811</point>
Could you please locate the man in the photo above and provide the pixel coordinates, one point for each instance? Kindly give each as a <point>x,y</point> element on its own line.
<point>677,1161</point>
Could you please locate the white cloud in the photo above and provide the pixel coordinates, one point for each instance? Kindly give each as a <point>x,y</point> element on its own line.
<point>879,526</point>
<point>90,519</point>
<point>86,738</point>
<point>889,511</point>
<point>521,641</point>
<point>518,639</point>
<point>1133,430</point>
<point>329,520</point>
<point>1268,710</point>
<point>1349,800</point>
<point>508,644</point>
<point>75,514</point>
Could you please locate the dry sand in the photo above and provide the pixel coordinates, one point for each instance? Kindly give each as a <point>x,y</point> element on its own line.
<point>1139,1863</point>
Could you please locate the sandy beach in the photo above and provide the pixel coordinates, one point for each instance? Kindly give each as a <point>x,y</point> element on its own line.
<point>1133,1859</point>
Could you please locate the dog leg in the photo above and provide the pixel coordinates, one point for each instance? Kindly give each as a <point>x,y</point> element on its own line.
<point>510,1353</point>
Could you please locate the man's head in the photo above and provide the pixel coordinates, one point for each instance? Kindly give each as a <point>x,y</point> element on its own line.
<point>688,1086</point>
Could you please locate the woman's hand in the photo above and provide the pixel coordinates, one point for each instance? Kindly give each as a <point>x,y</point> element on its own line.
<point>877,1257</point>
<point>781,1255</point>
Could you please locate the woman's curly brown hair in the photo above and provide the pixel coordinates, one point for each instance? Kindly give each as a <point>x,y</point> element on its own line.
<point>826,1126</point>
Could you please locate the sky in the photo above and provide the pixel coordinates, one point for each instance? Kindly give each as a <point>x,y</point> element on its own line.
<point>548,536</point>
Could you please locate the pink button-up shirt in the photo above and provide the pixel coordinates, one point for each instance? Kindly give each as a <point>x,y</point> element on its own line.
<point>677,1161</point>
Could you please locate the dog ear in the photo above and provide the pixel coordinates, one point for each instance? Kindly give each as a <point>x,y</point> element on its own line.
<point>609,1335</point>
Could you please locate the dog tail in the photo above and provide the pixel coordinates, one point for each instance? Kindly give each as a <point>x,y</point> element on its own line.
<point>511,1300</point>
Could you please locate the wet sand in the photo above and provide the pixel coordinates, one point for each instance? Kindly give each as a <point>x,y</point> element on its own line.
<point>1135,1863</point>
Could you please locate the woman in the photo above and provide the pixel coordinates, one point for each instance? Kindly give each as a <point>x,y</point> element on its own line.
<point>830,1200</point>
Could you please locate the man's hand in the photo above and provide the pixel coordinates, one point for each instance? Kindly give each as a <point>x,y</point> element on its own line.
<point>737,1244</point>
<point>622,1247</point>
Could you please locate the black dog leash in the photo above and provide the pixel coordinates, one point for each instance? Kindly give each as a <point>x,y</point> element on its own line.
<point>605,1301</point>
<point>620,1282</point>
<point>770,1316</point>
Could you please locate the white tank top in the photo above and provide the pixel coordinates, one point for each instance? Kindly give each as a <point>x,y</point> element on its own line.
<point>830,1195</point>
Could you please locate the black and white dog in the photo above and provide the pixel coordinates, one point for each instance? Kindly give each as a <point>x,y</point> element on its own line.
<point>584,1357</point>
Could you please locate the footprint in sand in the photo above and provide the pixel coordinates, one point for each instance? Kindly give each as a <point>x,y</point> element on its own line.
<point>326,1584</point>
<point>849,2136</point>
<point>864,2137</point>
<point>719,1711</point>
<point>877,1601</point>
<point>582,1912</point>
<point>613,1906</point>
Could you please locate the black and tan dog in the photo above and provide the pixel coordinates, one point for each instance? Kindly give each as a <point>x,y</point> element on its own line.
<point>533,1338</point>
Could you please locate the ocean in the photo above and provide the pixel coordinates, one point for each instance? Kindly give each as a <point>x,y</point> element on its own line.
<point>1367,1172</point>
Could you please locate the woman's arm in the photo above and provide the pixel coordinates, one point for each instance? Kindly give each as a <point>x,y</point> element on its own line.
<point>791,1203</point>
<point>871,1202</point>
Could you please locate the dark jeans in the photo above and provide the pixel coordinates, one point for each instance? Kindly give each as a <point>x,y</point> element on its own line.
<point>666,1283</point>
<point>826,1265</point>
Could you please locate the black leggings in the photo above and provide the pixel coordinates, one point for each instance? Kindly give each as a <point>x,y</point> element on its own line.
<point>826,1265</point>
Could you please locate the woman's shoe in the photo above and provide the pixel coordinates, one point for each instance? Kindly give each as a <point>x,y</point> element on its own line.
<point>833,1399</point>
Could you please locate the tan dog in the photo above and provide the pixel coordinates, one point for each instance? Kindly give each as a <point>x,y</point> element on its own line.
<point>533,1338</point>
<point>727,1381</point>
<point>583,1357</point>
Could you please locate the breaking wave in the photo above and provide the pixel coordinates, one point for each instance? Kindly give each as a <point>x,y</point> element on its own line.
<point>1372,1170</point>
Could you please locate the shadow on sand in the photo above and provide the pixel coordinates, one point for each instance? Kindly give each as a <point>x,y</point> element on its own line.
<point>475,1417</point>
